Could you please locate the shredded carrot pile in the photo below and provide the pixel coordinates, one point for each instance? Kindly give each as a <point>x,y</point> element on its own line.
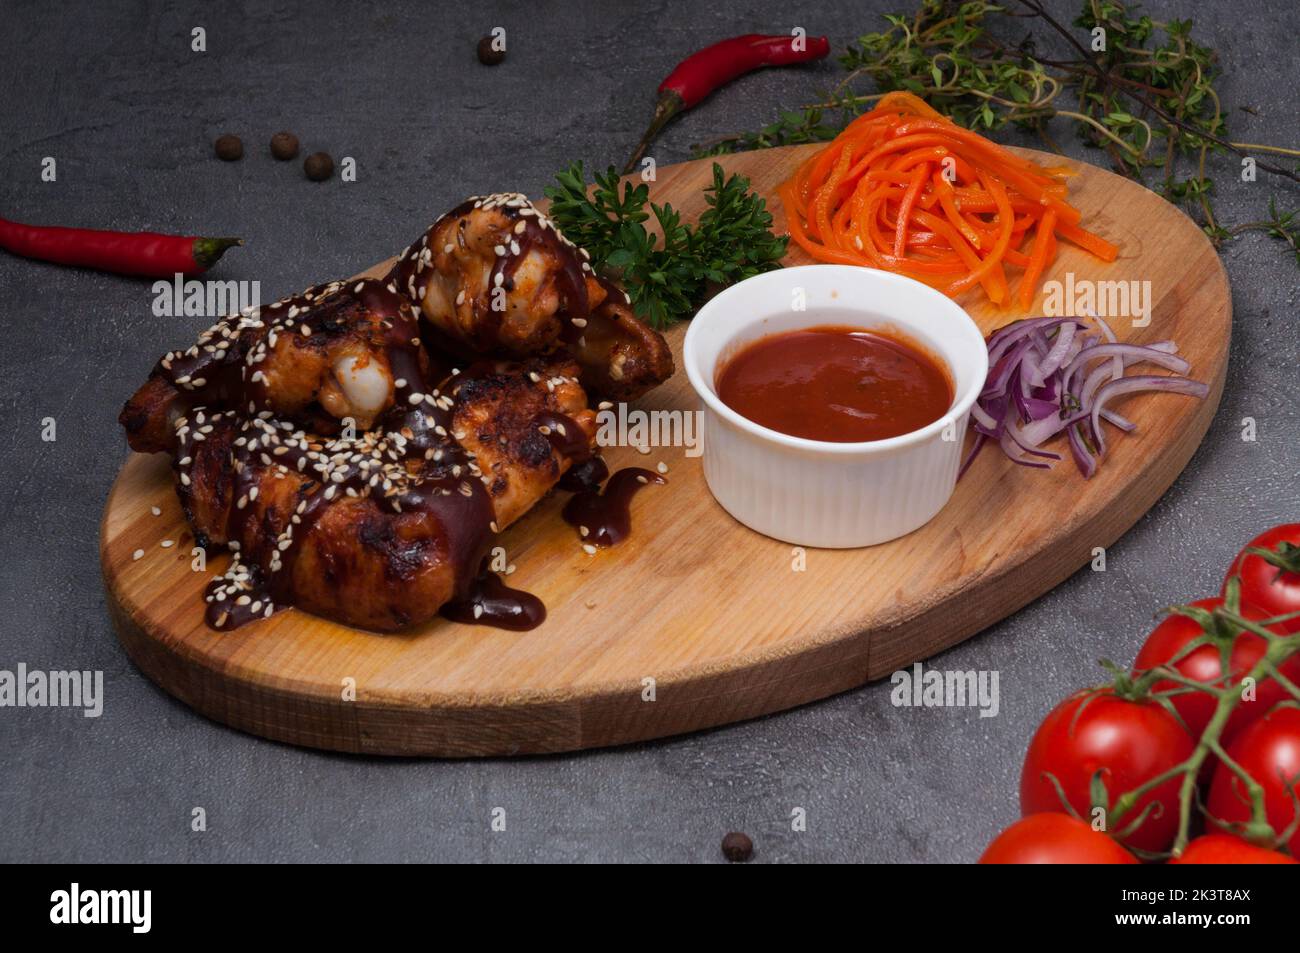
<point>904,189</point>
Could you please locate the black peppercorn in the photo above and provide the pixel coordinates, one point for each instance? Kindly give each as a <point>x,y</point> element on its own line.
<point>487,54</point>
<point>737,847</point>
<point>318,166</point>
<point>284,145</point>
<point>229,148</point>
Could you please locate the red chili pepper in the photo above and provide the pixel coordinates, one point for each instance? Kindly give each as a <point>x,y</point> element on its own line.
<point>127,253</point>
<point>703,72</point>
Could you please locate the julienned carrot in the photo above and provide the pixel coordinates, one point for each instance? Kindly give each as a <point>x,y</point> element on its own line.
<point>1037,260</point>
<point>904,189</point>
<point>905,207</point>
<point>1088,241</point>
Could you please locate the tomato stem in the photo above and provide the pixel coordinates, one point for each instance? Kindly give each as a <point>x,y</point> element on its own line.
<point>1221,626</point>
<point>1286,557</point>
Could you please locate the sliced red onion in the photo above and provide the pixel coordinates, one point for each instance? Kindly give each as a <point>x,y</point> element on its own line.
<point>1014,432</point>
<point>1042,381</point>
<point>1001,373</point>
<point>982,418</point>
<point>1110,336</point>
<point>1129,385</point>
<point>1131,353</point>
<point>1013,452</point>
<point>1060,350</point>
<point>1005,337</point>
<point>975,449</point>
<point>1123,423</point>
<point>1083,456</point>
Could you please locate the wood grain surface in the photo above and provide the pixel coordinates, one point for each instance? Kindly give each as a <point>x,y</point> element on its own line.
<point>695,621</point>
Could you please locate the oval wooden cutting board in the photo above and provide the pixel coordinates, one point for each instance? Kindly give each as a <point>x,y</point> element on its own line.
<point>695,621</point>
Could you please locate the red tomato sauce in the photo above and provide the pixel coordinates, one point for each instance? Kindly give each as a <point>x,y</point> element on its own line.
<point>838,384</point>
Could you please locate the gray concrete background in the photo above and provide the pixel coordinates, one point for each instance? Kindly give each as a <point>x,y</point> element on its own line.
<point>112,91</point>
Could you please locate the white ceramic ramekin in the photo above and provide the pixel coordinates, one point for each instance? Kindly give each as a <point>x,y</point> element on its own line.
<point>818,493</point>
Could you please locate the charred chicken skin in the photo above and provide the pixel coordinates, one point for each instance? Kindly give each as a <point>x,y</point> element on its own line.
<point>495,276</point>
<point>320,358</point>
<point>379,528</point>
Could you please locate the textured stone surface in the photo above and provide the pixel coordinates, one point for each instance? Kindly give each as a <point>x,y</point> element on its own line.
<point>130,113</point>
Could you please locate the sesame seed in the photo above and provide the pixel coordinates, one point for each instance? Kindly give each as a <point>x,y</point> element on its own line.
<point>589,549</point>
<point>137,554</point>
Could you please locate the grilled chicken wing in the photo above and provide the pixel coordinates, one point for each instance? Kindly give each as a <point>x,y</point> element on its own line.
<point>494,275</point>
<point>318,358</point>
<point>327,441</point>
<point>523,425</point>
<point>382,530</point>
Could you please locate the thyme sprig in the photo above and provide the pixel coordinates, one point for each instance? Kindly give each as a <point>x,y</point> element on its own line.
<point>1143,91</point>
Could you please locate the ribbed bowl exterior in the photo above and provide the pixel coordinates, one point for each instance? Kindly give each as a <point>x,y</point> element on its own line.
<point>813,493</point>
<point>835,502</point>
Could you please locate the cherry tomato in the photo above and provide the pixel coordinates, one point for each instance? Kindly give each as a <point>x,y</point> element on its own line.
<point>1269,751</point>
<point>1203,664</point>
<point>1226,849</point>
<point>1129,742</point>
<point>1273,589</point>
<point>1054,839</point>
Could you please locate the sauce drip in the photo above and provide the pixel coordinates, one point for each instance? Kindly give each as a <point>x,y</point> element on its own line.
<point>837,384</point>
<point>587,475</point>
<point>607,516</point>
<point>564,434</point>
<point>491,602</point>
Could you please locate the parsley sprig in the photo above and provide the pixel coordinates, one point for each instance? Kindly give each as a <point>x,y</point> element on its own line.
<point>668,275</point>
